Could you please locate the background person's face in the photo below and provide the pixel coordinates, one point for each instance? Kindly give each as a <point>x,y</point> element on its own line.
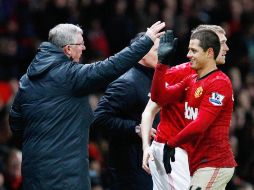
<point>151,58</point>
<point>220,60</point>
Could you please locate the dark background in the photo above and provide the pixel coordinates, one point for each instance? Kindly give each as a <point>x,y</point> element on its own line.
<point>108,27</point>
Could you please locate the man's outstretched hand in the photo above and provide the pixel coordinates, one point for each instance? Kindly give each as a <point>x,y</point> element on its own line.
<point>168,154</point>
<point>167,48</point>
<point>155,31</point>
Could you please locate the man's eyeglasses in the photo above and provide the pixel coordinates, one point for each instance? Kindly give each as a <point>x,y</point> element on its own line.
<point>77,44</point>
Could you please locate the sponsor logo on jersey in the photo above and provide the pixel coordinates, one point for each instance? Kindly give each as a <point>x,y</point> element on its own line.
<point>198,92</point>
<point>216,99</point>
<point>190,112</point>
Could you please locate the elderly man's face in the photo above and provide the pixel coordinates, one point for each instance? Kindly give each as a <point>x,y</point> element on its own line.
<point>74,51</point>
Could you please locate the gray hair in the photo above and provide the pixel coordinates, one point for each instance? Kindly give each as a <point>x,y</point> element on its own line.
<point>63,34</point>
<point>215,28</point>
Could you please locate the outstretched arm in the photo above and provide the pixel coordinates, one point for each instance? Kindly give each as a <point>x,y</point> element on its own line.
<point>92,77</point>
<point>163,93</point>
<point>193,129</point>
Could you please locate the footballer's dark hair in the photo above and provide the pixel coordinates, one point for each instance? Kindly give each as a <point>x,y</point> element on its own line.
<point>207,39</point>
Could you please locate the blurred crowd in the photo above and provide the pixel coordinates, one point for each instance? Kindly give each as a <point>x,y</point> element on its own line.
<point>108,27</point>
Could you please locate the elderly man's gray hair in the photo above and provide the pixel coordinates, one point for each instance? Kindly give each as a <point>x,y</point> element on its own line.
<point>64,34</point>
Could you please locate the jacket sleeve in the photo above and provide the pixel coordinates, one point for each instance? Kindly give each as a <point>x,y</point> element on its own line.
<point>15,117</point>
<point>92,77</point>
<point>110,114</point>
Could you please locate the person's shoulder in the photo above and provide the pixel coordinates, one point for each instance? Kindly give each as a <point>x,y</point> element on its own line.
<point>218,80</point>
<point>179,72</point>
<point>124,79</point>
<point>181,66</point>
<point>23,81</point>
<point>23,77</point>
<point>221,77</point>
<point>184,67</point>
<point>130,76</point>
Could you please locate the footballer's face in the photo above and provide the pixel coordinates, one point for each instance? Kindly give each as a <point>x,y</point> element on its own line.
<point>220,60</point>
<point>196,55</point>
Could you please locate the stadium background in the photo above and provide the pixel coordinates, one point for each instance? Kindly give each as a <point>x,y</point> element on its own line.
<point>108,27</point>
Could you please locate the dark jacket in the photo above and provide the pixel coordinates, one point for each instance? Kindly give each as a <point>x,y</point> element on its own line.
<point>118,112</point>
<point>52,113</point>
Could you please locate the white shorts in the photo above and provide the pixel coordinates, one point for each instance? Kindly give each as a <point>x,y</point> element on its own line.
<point>211,178</point>
<point>178,179</point>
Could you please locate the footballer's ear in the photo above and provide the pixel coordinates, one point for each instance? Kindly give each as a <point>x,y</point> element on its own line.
<point>210,53</point>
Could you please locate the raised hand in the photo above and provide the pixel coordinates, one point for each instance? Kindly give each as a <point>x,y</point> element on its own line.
<point>167,48</point>
<point>154,31</point>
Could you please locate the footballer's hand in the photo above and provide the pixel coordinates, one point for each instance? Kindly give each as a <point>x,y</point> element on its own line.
<point>167,48</point>
<point>168,155</point>
<point>154,31</point>
<point>147,154</point>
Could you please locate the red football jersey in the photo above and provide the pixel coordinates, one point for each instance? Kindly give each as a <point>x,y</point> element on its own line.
<point>208,109</point>
<point>171,115</point>
<point>210,99</point>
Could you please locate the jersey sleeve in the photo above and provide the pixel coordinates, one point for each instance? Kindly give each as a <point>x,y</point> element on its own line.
<point>168,84</point>
<point>217,97</point>
<point>158,83</point>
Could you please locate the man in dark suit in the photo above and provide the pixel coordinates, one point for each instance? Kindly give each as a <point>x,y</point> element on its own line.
<point>119,113</point>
